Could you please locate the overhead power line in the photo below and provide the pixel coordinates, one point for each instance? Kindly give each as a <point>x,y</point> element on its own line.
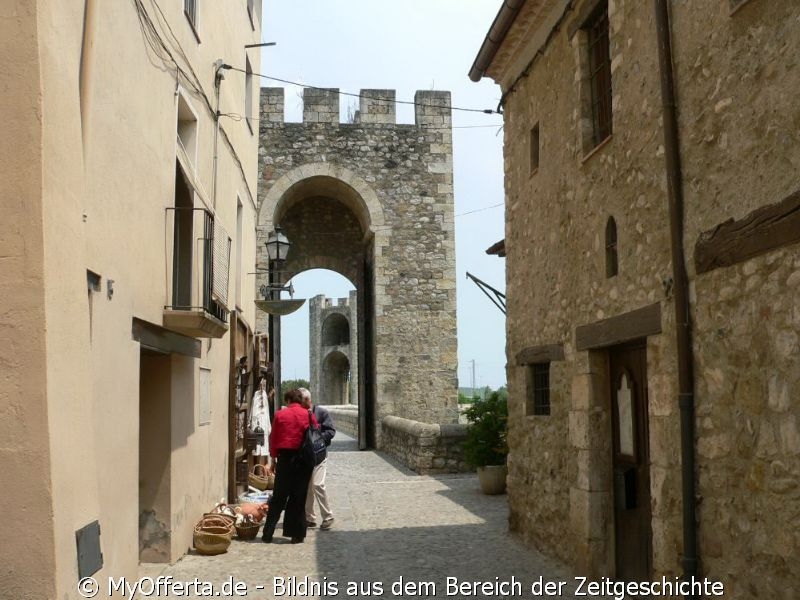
<point>487,111</point>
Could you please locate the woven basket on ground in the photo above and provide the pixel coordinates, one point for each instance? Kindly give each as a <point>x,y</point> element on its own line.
<point>260,479</point>
<point>247,530</point>
<point>212,535</point>
<point>223,518</point>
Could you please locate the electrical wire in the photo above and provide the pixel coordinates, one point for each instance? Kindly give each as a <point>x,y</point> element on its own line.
<point>469,212</point>
<point>239,117</point>
<point>487,111</point>
<point>152,34</point>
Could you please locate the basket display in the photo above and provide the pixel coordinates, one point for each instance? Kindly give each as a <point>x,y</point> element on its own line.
<point>260,478</point>
<point>212,535</point>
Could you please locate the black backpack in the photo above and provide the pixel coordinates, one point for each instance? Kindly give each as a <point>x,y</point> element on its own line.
<point>312,450</point>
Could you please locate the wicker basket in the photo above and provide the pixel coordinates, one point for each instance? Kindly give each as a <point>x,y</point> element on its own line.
<point>212,535</point>
<point>218,519</point>
<point>247,531</point>
<point>260,479</point>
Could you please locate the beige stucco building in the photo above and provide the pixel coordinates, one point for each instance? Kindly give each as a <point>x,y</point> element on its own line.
<point>598,283</point>
<point>129,213</point>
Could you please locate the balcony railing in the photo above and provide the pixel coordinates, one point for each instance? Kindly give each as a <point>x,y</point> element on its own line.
<point>197,273</point>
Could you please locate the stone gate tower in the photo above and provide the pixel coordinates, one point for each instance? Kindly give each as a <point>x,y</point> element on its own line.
<point>333,349</point>
<point>373,201</point>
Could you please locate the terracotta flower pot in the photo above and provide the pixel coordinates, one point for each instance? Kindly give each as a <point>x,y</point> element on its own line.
<point>492,479</point>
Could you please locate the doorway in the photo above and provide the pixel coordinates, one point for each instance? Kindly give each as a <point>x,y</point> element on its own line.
<point>155,510</point>
<point>631,461</point>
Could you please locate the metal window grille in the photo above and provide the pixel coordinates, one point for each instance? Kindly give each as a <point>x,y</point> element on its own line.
<point>540,389</point>
<point>214,250</point>
<point>220,263</point>
<point>600,73</point>
<point>190,8</point>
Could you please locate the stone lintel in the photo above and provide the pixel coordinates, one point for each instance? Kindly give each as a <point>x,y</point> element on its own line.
<point>632,325</point>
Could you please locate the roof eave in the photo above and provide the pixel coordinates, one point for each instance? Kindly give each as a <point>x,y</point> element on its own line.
<point>494,38</point>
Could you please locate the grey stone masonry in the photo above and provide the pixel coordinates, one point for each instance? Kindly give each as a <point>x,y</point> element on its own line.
<point>333,349</point>
<point>373,201</point>
<point>377,107</point>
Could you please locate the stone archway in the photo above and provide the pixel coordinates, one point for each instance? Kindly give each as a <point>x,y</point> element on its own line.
<point>334,221</point>
<point>373,201</point>
<point>335,378</point>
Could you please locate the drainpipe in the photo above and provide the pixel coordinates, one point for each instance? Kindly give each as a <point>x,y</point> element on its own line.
<point>683,330</point>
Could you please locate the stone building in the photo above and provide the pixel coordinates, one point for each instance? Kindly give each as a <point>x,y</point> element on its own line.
<point>333,349</point>
<point>373,201</point>
<point>128,215</point>
<point>602,269</point>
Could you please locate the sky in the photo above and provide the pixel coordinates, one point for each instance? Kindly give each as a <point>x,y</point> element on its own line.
<point>407,46</point>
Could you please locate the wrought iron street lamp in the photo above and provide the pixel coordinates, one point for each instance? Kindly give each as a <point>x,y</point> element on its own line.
<point>277,245</point>
<point>277,249</point>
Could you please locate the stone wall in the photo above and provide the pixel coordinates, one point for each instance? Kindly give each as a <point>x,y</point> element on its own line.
<point>345,419</point>
<point>373,201</point>
<point>322,353</point>
<point>737,79</point>
<point>425,448</point>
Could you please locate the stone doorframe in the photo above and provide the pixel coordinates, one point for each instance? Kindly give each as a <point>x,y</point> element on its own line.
<point>591,497</point>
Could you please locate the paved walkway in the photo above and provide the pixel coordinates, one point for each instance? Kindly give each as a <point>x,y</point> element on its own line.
<point>391,524</point>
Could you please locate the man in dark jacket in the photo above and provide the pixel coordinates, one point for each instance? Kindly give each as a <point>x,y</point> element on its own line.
<point>316,487</point>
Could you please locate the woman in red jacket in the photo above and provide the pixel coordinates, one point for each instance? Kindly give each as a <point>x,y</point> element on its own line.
<point>291,475</point>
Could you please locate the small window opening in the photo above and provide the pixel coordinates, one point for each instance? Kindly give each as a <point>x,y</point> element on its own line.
<point>190,10</point>
<point>599,73</point>
<point>251,10</point>
<point>612,259</point>
<point>538,402</point>
<point>534,143</point>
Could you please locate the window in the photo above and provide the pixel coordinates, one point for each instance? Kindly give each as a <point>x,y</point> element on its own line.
<point>596,29</point>
<point>251,12</point>
<point>238,272</point>
<point>612,259</point>
<point>538,397</point>
<point>187,129</point>
<point>248,94</point>
<point>534,143</point>
<point>190,10</point>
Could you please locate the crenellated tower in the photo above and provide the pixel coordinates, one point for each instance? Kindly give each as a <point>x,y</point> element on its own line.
<point>373,201</point>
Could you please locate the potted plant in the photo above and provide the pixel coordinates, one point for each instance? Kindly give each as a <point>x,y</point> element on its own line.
<point>485,446</point>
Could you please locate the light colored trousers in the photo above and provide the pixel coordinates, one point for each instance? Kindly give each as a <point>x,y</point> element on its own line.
<point>317,491</point>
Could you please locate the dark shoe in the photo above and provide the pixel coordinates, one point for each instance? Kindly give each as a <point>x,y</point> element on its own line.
<point>327,524</point>
<point>298,540</point>
<point>311,523</point>
<point>266,539</point>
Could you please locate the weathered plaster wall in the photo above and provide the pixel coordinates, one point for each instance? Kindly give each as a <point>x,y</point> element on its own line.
<point>91,206</point>
<point>24,425</point>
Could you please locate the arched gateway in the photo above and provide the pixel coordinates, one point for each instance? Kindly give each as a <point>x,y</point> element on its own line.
<point>373,201</point>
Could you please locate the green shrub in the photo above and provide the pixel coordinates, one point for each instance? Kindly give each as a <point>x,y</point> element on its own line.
<point>486,434</point>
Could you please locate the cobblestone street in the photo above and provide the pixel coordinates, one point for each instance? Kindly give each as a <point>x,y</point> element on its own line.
<point>390,524</point>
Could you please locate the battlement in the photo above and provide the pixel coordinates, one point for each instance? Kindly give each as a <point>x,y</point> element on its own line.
<point>321,105</point>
